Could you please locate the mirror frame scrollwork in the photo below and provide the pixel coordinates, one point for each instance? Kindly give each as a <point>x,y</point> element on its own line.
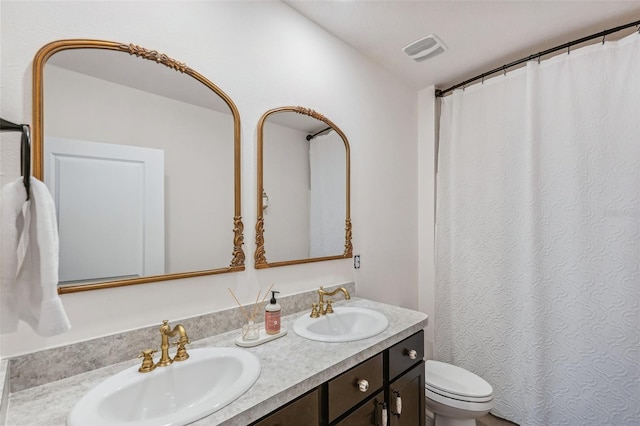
<point>238,257</point>
<point>260,253</point>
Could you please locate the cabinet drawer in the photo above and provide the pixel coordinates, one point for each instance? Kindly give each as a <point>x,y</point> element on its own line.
<point>343,391</point>
<point>370,414</point>
<point>302,411</point>
<point>399,354</point>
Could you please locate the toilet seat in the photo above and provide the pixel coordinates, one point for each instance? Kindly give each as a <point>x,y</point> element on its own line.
<point>453,382</point>
<point>450,395</point>
<point>466,407</point>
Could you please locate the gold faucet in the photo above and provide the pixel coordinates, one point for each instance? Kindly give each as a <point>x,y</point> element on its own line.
<point>319,308</point>
<point>166,332</point>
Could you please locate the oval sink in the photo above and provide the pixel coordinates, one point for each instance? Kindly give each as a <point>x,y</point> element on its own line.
<point>346,324</point>
<point>177,394</point>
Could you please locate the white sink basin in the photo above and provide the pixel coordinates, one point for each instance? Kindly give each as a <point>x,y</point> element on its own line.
<point>346,324</point>
<point>178,394</point>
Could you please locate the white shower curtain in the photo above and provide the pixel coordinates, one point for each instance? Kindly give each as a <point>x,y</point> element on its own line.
<point>538,237</point>
<point>328,201</point>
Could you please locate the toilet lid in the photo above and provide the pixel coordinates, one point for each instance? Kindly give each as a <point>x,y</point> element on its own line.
<point>455,380</point>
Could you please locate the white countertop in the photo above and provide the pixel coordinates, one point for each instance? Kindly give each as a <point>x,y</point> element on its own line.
<point>290,366</point>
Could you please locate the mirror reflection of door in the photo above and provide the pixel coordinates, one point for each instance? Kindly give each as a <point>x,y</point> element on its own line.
<point>102,96</point>
<point>286,183</point>
<point>305,181</point>
<point>110,207</point>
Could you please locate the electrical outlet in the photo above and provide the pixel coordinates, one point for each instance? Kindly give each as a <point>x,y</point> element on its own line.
<point>356,261</point>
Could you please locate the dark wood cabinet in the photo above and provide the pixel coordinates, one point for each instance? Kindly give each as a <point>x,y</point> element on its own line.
<point>354,386</point>
<point>409,387</point>
<point>302,411</point>
<point>406,382</point>
<point>364,394</point>
<point>368,414</point>
<point>405,354</point>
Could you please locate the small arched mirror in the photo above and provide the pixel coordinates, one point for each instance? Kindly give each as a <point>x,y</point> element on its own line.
<point>142,157</point>
<point>303,194</point>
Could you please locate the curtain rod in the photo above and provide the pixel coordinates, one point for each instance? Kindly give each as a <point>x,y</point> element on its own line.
<point>309,137</point>
<point>603,34</point>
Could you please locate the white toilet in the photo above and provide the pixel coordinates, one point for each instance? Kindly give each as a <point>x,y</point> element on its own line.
<point>456,396</point>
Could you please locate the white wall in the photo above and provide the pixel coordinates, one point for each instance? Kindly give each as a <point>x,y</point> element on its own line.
<point>427,136</point>
<point>263,55</point>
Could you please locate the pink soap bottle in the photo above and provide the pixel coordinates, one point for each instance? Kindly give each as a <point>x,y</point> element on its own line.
<point>272,315</point>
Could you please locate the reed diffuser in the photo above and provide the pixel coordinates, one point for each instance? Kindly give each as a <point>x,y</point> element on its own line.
<point>250,331</point>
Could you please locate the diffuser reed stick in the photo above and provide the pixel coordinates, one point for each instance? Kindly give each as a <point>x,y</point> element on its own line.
<point>256,305</point>
<point>250,327</point>
<point>239,304</point>
<point>254,311</point>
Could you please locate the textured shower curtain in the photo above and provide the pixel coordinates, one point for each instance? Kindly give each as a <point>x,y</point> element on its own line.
<point>538,237</point>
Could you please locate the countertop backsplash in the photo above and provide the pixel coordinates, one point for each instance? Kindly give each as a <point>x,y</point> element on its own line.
<point>50,365</point>
<point>4,390</point>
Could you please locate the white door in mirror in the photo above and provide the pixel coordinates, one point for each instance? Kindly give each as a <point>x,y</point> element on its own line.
<point>110,206</point>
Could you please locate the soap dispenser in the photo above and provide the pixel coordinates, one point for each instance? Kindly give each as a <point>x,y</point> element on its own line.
<point>272,315</point>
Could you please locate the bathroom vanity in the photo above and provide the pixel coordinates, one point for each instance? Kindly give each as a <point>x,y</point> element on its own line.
<point>299,379</point>
<point>389,384</point>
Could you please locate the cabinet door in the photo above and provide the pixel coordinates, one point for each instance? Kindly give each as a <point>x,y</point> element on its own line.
<point>408,391</point>
<point>303,411</point>
<point>370,414</point>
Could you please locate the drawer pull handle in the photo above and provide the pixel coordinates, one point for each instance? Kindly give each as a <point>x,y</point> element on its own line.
<point>412,354</point>
<point>363,385</point>
<point>384,415</point>
<point>398,408</point>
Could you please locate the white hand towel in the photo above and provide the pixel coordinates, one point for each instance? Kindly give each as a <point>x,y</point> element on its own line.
<point>12,203</point>
<point>30,261</point>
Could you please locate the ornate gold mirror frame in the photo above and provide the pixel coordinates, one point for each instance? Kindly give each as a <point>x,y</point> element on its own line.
<point>40,59</point>
<point>260,253</point>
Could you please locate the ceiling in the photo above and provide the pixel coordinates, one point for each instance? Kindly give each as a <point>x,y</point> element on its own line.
<point>149,76</point>
<point>480,35</point>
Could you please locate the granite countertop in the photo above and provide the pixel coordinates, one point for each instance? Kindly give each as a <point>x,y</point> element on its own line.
<point>290,366</point>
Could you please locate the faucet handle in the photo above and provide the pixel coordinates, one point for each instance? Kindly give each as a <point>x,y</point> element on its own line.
<point>147,362</point>
<point>181,354</point>
<point>147,353</point>
<point>329,309</point>
<point>314,311</point>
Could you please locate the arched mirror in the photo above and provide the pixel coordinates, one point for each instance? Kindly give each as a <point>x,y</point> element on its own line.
<point>142,157</point>
<point>303,189</point>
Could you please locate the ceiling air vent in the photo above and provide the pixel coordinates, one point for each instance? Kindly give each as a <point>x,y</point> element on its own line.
<point>425,48</point>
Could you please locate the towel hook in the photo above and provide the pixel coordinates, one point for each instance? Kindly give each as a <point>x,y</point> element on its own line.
<point>25,160</point>
<point>25,150</point>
